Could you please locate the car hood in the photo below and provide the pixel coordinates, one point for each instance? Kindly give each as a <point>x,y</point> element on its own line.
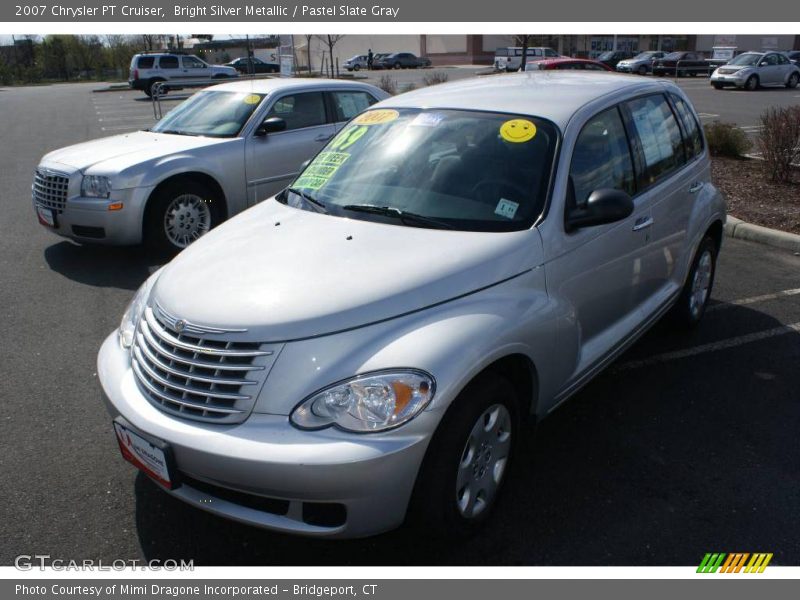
<point>119,151</point>
<point>285,274</point>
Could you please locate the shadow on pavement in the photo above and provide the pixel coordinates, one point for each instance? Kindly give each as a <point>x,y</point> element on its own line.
<point>102,266</point>
<point>654,465</point>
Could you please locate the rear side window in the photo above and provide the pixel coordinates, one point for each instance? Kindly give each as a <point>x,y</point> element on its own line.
<point>602,157</point>
<point>694,141</point>
<point>168,62</point>
<point>549,52</point>
<point>501,52</point>
<point>348,104</point>
<point>659,135</point>
<point>146,62</point>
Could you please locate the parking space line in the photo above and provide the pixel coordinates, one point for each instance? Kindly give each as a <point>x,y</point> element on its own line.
<point>711,347</point>
<point>753,299</point>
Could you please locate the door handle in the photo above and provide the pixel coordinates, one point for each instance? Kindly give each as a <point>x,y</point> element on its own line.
<point>323,137</point>
<point>642,223</point>
<point>696,187</point>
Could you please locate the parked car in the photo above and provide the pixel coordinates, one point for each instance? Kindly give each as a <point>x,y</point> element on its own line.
<point>680,64</point>
<point>642,63</point>
<point>357,62</point>
<point>368,343</point>
<point>750,70</point>
<point>254,65</point>
<point>222,150</point>
<point>613,57</point>
<point>509,58</point>
<point>400,60</point>
<point>147,70</point>
<point>565,63</point>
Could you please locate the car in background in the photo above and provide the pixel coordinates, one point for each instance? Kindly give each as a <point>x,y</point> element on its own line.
<point>565,63</point>
<point>681,64</point>
<point>357,62</point>
<point>509,58</point>
<point>794,56</point>
<point>227,147</point>
<point>400,60</point>
<point>642,63</point>
<point>751,70</point>
<point>303,368</point>
<point>612,57</point>
<point>150,69</point>
<point>253,64</point>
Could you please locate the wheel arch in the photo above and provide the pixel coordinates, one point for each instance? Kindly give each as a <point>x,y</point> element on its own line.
<point>195,176</point>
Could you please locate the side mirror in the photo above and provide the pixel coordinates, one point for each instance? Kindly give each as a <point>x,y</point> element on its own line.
<point>271,125</point>
<point>603,206</point>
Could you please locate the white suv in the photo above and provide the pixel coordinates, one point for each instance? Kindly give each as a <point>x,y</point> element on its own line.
<point>147,70</point>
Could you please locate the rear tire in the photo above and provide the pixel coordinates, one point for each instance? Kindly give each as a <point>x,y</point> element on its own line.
<point>179,213</point>
<point>468,460</point>
<point>794,78</point>
<point>692,302</point>
<point>149,90</point>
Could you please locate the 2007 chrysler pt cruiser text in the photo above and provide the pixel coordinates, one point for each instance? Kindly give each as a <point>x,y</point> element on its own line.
<point>367,344</point>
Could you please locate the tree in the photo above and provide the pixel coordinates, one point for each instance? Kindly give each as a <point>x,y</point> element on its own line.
<point>330,41</point>
<point>522,40</point>
<point>308,51</point>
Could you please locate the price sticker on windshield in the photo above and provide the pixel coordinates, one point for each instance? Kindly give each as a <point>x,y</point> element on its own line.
<point>377,117</point>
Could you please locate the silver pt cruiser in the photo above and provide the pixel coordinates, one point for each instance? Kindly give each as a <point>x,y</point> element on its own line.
<point>367,344</point>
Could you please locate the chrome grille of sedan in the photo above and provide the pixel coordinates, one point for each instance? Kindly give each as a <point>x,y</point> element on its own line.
<point>198,376</point>
<point>50,189</point>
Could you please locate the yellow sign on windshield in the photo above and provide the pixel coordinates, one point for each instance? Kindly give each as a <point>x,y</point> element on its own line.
<point>377,117</point>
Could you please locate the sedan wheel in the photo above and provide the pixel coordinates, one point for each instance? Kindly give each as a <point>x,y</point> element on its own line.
<point>642,70</point>
<point>751,84</point>
<point>187,218</point>
<point>794,78</point>
<point>691,304</point>
<point>356,67</point>
<point>180,212</point>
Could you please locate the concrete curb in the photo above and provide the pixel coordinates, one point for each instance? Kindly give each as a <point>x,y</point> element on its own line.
<point>741,230</point>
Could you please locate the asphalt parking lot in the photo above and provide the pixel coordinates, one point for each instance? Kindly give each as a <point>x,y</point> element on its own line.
<point>687,445</point>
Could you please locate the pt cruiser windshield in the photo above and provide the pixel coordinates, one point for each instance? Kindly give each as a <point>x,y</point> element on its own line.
<point>452,169</point>
<point>210,113</point>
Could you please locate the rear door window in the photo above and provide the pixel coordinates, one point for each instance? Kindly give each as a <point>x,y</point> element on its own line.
<point>694,140</point>
<point>146,62</point>
<point>659,136</point>
<point>348,104</point>
<point>168,62</point>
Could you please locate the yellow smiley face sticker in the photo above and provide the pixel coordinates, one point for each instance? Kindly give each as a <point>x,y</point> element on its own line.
<point>377,117</point>
<point>252,99</point>
<point>517,130</point>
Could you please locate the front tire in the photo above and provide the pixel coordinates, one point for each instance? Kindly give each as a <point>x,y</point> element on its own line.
<point>180,213</point>
<point>751,84</point>
<point>642,70</point>
<point>691,305</point>
<point>468,459</point>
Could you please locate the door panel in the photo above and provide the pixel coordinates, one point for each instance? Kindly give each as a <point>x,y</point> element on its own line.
<point>274,160</point>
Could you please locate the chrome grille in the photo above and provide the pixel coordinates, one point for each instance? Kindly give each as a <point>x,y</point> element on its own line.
<point>50,189</point>
<point>195,375</point>
<point>723,71</point>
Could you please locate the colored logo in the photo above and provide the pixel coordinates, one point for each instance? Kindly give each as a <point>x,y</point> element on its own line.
<point>734,563</point>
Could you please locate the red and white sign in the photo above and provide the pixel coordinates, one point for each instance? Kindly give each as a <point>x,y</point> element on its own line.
<point>143,455</point>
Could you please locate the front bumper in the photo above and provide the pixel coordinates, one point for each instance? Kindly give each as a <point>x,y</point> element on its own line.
<point>90,220</point>
<point>370,476</point>
<point>728,80</point>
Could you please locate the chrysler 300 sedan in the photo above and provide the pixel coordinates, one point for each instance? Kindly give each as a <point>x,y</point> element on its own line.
<point>366,345</point>
<point>222,150</point>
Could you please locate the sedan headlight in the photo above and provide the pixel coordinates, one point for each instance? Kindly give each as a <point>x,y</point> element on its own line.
<point>96,186</point>
<point>367,403</point>
<point>127,327</point>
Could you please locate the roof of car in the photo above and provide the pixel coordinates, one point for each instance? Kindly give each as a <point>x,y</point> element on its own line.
<point>266,86</point>
<point>554,94</point>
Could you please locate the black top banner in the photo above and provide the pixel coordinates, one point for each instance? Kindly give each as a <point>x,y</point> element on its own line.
<point>465,11</point>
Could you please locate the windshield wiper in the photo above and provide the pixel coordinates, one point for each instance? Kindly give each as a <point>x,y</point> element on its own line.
<point>176,132</point>
<point>309,198</point>
<point>402,215</point>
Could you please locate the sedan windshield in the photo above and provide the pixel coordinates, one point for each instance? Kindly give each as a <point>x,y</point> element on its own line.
<point>606,56</point>
<point>674,56</point>
<point>210,113</point>
<point>644,56</point>
<point>748,59</point>
<point>451,169</point>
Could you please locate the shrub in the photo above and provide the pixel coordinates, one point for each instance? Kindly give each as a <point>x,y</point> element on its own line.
<point>726,139</point>
<point>6,75</point>
<point>779,141</point>
<point>388,84</point>
<point>435,77</point>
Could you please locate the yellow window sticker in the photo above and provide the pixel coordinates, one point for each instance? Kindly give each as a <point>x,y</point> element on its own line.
<point>377,117</point>
<point>251,99</point>
<point>517,130</point>
<point>321,170</point>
